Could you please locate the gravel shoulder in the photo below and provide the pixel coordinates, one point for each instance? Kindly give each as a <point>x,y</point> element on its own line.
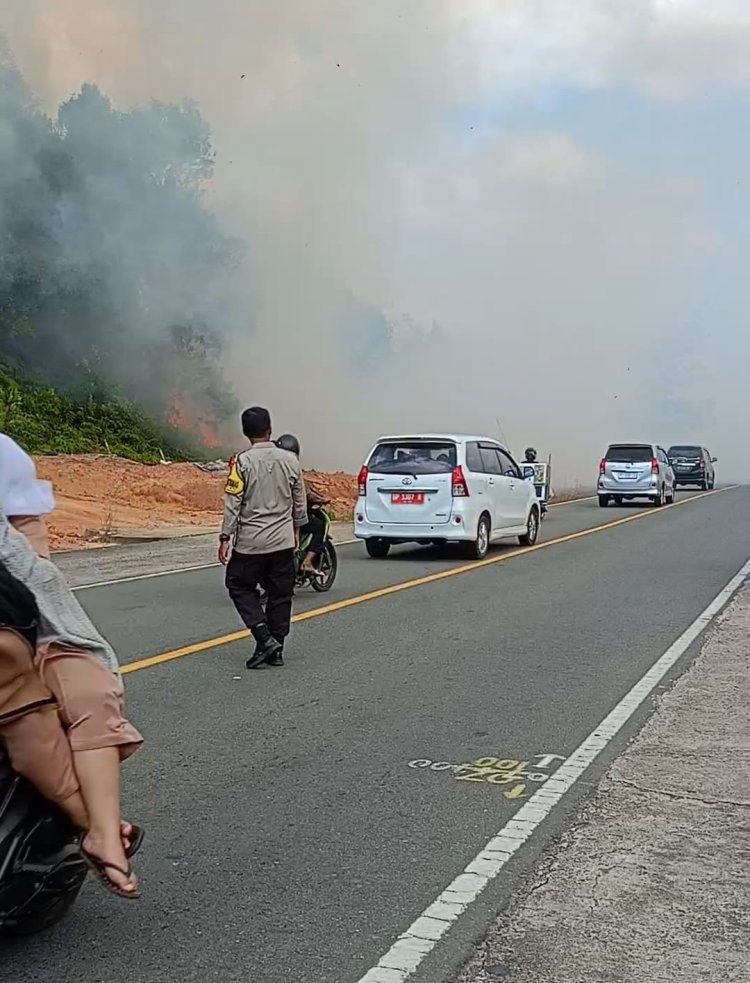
<point>652,881</point>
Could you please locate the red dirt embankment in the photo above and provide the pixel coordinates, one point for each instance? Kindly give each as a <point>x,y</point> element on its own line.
<point>97,495</point>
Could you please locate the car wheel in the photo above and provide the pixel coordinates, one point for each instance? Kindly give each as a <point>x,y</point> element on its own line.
<point>712,484</point>
<point>532,529</point>
<point>670,497</point>
<point>479,548</point>
<point>659,500</point>
<point>704,485</point>
<point>603,501</point>
<point>378,549</point>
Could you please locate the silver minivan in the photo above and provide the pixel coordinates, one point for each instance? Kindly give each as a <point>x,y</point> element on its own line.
<point>629,471</point>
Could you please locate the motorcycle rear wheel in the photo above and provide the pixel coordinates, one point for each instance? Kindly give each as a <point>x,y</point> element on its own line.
<point>328,565</point>
<point>41,868</point>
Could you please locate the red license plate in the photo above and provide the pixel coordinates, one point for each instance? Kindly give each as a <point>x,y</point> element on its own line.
<point>407,498</point>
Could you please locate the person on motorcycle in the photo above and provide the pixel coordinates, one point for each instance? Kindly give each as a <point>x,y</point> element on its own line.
<point>530,455</point>
<point>37,714</point>
<point>316,524</point>
<point>28,710</point>
<point>77,665</point>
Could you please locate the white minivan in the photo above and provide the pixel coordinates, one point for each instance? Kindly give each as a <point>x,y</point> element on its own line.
<point>443,488</point>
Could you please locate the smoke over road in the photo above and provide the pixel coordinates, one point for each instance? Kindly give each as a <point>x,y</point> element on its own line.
<point>453,214</point>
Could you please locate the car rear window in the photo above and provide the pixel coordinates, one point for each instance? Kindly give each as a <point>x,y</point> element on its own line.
<point>681,450</point>
<point>413,457</point>
<point>630,453</point>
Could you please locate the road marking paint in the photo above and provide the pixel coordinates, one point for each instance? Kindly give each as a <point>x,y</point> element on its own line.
<point>169,573</point>
<point>409,950</point>
<point>210,566</point>
<point>144,576</point>
<point>494,771</point>
<point>432,578</point>
<point>571,501</point>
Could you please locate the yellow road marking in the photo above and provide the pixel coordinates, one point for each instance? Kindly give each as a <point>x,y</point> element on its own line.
<point>373,595</point>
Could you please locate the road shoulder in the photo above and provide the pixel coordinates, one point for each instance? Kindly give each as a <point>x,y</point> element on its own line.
<point>151,558</point>
<point>652,881</point>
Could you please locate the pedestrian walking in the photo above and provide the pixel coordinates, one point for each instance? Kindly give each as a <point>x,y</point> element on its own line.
<point>264,507</point>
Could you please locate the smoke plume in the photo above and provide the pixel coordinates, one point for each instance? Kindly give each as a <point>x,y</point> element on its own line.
<point>515,217</point>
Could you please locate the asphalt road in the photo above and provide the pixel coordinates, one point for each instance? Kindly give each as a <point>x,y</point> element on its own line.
<point>289,839</point>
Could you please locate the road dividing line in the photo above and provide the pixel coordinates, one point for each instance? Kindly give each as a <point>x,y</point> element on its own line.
<point>408,951</point>
<point>403,585</point>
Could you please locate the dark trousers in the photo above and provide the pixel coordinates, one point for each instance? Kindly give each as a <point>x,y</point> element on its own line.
<point>274,572</point>
<point>315,527</point>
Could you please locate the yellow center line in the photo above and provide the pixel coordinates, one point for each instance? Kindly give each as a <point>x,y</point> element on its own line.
<point>432,578</point>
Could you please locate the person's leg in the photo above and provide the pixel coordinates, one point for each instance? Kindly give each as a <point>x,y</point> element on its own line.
<point>31,729</point>
<point>91,708</point>
<point>39,752</point>
<point>316,528</point>
<point>280,586</point>
<point>244,573</point>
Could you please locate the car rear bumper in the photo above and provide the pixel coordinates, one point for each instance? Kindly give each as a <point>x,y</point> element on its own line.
<point>457,529</point>
<point>629,489</point>
<point>690,477</point>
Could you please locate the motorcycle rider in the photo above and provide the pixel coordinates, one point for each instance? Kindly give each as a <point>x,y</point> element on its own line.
<point>315,527</point>
<point>530,456</point>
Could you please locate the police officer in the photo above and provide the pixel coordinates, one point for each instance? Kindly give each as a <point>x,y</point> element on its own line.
<point>264,507</point>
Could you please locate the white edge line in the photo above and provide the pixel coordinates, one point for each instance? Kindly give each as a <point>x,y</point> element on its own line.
<point>209,566</point>
<point>169,573</point>
<point>406,954</point>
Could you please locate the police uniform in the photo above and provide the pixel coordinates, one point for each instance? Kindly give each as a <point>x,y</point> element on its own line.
<point>264,503</point>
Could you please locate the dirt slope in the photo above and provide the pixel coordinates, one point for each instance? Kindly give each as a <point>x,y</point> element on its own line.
<point>97,495</point>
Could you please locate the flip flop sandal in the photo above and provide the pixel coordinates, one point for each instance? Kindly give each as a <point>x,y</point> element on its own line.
<point>99,868</point>
<point>136,840</point>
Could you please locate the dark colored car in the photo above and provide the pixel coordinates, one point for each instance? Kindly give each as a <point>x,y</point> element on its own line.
<point>692,465</point>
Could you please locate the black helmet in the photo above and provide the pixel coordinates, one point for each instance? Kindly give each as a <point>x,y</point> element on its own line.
<point>288,442</point>
<point>530,453</point>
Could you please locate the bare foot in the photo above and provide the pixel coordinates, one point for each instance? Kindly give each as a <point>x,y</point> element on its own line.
<point>110,857</point>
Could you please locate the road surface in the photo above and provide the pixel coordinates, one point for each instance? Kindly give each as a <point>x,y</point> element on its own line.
<point>296,824</point>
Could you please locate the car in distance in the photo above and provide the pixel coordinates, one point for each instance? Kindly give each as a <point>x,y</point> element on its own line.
<point>629,471</point>
<point>443,488</point>
<point>692,465</point>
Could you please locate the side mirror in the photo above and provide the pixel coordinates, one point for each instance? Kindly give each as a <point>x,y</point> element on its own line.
<point>714,460</point>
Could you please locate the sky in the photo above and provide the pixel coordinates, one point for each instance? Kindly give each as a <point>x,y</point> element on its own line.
<point>545,199</point>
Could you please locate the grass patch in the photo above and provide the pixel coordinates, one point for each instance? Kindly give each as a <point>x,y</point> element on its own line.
<point>46,421</point>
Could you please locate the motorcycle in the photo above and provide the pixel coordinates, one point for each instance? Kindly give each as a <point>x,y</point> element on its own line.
<point>328,562</point>
<point>322,580</point>
<point>41,867</point>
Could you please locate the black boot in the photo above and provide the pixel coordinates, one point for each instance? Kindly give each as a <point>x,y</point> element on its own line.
<point>266,647</point>
<point>278,658</point>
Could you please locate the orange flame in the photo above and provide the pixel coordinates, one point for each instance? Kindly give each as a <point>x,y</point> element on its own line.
<point>190,420</point>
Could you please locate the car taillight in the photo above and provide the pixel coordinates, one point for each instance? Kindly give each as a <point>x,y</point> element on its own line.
<point>603,465</point>
<point>655,466</point>
<point>458,484</point>
<point>362,481</point>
